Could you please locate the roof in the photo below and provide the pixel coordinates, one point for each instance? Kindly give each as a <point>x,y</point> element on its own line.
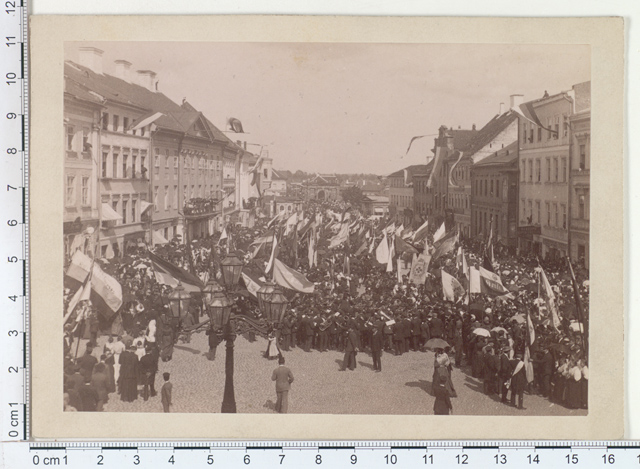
<point>181,118</point>
<point>486,134</point>
<point>324,180</point>
<point>506,155</point>
<point>377,198</point>
<point>82,93</point>
<point>413,169</point>
<point>372,188</point>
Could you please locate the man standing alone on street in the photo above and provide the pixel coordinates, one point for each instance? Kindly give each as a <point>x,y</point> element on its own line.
<point>283,378</point>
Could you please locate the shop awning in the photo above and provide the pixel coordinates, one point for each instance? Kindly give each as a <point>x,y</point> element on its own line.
<point>109,214</point>
<point>159,239</point>
<point>144,205</point>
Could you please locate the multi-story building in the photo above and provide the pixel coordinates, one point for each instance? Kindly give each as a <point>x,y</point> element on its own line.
<point>278,184</point>
<point>494,196</point>
<point>322,187</point>
<point>580,165</point>
<point>81,198</point>
<point>544,177</point>
<point>422,193</point>
<point>401,187</point>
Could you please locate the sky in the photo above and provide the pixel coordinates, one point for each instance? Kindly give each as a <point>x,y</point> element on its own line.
<point>349,108</point>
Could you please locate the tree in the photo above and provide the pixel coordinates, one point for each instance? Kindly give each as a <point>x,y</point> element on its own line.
<point>353,195</point>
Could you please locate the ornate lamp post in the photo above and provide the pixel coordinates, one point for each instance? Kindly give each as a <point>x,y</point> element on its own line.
<point>272,302</point>
<point>231,269</point>
<point>179,301</point>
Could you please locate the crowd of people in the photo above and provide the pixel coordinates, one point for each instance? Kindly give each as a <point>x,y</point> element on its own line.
<point>357,307</point>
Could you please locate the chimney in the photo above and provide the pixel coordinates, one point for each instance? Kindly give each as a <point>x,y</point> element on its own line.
<point>473,127</point>
<point>501,108</point>
<point>123,70</point>
<point>146,78</point>
<point>515,100</point>
<point>91,57</point>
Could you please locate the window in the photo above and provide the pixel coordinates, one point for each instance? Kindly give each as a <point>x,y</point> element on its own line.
<point>125,125</point>
<point>538,171</point>
<point>530,170</point>
<point>166,197</point>
<point>524,208</point>
<point>539,134</point>
<point>538,217</point>
<point>491,193</point>
<point>134,161</point>
<point>70,135</point>
<point>175,196</point>
<point>143,161</point>
<point>175,162</point>
<point>105,157</point>
<point>155,199</point>
<point>142,130</point>
<point>186,162</point>
<point>265,173</point>
<point>531,135</point>
<point>116,123</point>
<point>564,217</point>
<point>134,202</point>
<point>548,169</point>
<point>555,208</point>
<point>85,191</point>
<point>524,133</point>
<point>114,205</point>
<point>125,165</point>
<point>583,157</point>
<point>581,207</point>
<point>125,205</point>
<point>555,169</point>
<point>86,146</point>
<point>523,171</point>
<point>105,121</point>
<point>548,208</point>
<point>564,170</point>
<point>557,129</point>
<point>71,190</point>
<point>114,168</point>
<point>498,189</point>
<point>166,159</point>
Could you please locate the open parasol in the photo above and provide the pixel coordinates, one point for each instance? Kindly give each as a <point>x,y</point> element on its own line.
<point>482,332</point>
<point>519,318</point>
<point>435,343</point>
<point>498,329</point>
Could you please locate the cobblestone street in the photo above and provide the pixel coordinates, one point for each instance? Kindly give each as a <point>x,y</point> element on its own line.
<point>401,388</point>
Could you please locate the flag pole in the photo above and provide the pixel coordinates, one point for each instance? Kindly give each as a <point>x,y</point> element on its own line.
<point>576,295</point>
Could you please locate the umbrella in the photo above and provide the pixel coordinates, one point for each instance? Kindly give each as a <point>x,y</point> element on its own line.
<point>498,329</point>
<point>519,318</point>
<point>482,332</point>
<point>576,326</point>
<point>436,343</point>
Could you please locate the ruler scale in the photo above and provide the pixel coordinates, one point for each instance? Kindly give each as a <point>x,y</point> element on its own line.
<point>14,219</point>
<point>333,454</point>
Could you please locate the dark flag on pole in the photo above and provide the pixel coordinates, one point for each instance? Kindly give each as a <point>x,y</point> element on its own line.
<point>235,125</point>
<point>579,310</point>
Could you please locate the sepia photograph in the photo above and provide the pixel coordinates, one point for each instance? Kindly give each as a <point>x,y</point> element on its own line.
<point>326,228</point>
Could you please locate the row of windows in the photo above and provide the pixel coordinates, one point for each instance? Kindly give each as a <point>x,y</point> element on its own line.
<point>533,133</point>
<point>123,163</point>
<point>169,196</point>
<point>71,190</point>
<point>490,188</point>
<point>420,186</point>
<point>77,139</point>
<point>555,170</point>
<point>402,200</point>
<point>114,124</point>
<point>555,213</point>
<point>459,201</point>
<point>128,206</point>
<point>485,221</point>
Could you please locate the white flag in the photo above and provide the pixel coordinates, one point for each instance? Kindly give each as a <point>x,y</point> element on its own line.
<point>382,251</point>
<point>439,233</point>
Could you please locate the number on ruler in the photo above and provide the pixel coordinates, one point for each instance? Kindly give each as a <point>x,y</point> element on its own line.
<point>428,458</point>
<point>609,458</point>
<point>572,459</point>
<point>391,458</point>
<point>533,459</point>
<point>11,78</point>
<point>9,41</point>
<point>500,458</point>
<point>462,458</point>
<point>11,115</point>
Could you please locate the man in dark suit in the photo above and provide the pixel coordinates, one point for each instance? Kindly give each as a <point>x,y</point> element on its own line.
<point>286,333</point>
<point>148,370</point>
<point>518,381</point>
<point>283,378</point>
<point>436,327</point>
<point>307,327</point>
<point>376,344</point>
<point>86,363</point>
<point>504,373</point>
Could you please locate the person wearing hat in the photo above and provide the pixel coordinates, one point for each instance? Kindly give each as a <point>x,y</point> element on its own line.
<point>376,342</point>
<point>129,371</point>
<point>87,362</point>
<point>504,373</point>
<point>518,381</point>
<point>458,343</point>
<point>283,378</point>
<point>165,392</point>
<point>352,346</point>
<point>442,404</point>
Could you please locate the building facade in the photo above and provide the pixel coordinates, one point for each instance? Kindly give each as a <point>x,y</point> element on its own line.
<point>401,191</point>
<point>322,187</point>
<point>494,196</point>
<point>544,177</point>
<point>580,169</point>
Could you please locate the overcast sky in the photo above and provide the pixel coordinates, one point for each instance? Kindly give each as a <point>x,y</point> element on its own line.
<point>349,108</point>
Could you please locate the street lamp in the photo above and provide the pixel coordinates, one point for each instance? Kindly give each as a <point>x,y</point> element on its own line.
<point>272,302</point>
<point>231,269</point>
<point>179,301</point>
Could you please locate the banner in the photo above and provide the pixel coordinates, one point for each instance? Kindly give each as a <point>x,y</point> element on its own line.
<point>341,237</point>
<point>419,268</point>
<point>439,234</point>
<point>451,288</point>
<point>445,244</point>
<point>491,284</point>
<point>421,233</point>
<point>550,298</point>
<point>404,268</point>
<point>252,283</point>
<point>382,251</point>
<point>474,280</point>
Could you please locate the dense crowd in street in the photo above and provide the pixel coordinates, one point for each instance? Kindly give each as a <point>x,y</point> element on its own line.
<point>511,342</point>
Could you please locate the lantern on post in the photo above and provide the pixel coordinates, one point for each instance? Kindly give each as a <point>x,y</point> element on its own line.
<point>179,301</point>
<point>219,309</point>
<point>209,290</point>
<point>272,302</point>
<point>231,269</point>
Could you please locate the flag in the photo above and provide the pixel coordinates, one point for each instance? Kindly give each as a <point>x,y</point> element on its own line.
<point>273,221</point>
<point>452,181</point>
<point>235,125</point>
<point>399,230</point>
<point>292,222</point>
<point>474,281</point>
<point>168,274</point>
<point>526,111</point>
<point>491,284</point>
<point>437,160</point>
<point>440,232</point>
<point>274,249</point>
<point>382,251</point>
<point>404,268</point>
<point>288,278</point>
<point>403,246</point>
<point>312,247</point>
<point>445,244</point>
<point>392,254</point>
<point>413,139</point>
<point>528,365</point>
<point>106,292</point>
<point>341,237</point>
<point>362,248</point>
<point>419,267</point>
<point>486,263</point>
<point>549,298</point>
<point>83,293</point>
<point>346,266</point>
<point>421,232</point>
<point>265,238</point>
<point>531,330</point>
<point>451,288</point>
<point>223,236</point>
<point>252,283</point>
<point>579,311</point>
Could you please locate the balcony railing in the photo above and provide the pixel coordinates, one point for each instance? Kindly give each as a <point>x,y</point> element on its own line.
<point>200,206</point>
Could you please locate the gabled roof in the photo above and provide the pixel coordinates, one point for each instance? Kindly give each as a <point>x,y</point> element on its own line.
<point>82,93</point>
<point>487,133</point>
<point>324,180</point>
<point>506,155</point>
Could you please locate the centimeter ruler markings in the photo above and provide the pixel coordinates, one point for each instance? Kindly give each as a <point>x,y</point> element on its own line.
<point>14,218</point>
<point>303,454</point>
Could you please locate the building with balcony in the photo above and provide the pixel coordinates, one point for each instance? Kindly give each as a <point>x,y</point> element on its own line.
<point>544,157</point>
